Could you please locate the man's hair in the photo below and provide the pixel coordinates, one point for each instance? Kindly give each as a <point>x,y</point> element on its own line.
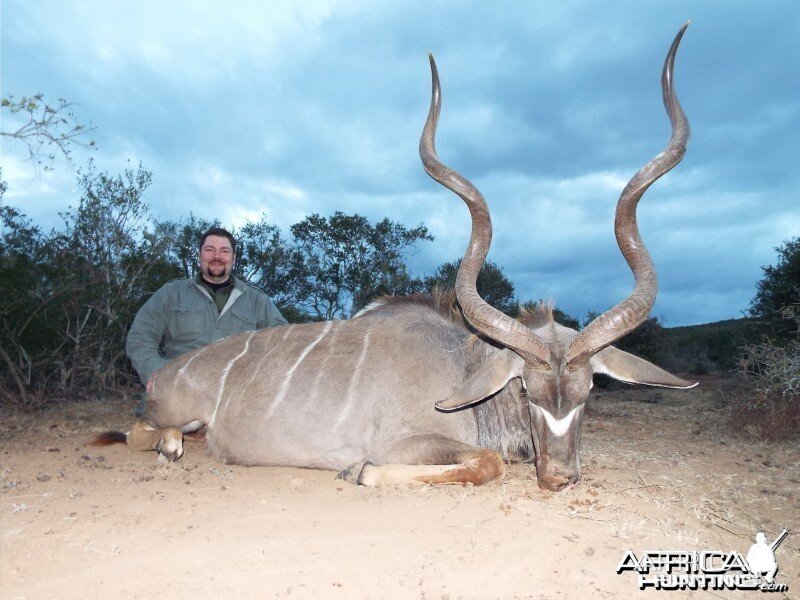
<point>219,231</point>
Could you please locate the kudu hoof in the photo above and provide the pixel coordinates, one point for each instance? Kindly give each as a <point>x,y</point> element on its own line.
<point>352,474</point>
<point>170,446</point>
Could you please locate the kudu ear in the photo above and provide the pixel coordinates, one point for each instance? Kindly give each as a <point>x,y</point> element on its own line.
<point>632,369</point>
<point>493,375</point>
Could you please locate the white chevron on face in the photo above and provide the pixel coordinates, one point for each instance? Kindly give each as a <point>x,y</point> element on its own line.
<point>558,426</point>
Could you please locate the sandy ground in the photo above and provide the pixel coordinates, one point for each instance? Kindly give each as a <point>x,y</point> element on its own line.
<point>662,470</point>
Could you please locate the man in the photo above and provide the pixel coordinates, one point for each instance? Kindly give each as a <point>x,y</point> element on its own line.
<point>188,313</point>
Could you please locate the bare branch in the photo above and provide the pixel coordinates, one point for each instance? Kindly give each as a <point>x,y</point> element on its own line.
<point>49,130</point>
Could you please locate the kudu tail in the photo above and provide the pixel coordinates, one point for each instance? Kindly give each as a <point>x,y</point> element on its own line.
<point>108,438</point>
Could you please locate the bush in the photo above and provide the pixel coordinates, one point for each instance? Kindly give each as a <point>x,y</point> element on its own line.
<point>778,289</point>
<point>768,390</point>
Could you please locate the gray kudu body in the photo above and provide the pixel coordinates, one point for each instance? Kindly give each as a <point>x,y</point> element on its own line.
<point>358,395</point>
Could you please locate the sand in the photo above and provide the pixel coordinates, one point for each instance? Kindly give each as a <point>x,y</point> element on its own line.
<point>662,470</point>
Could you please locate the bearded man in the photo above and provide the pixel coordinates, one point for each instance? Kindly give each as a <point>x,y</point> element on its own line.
<point>188,313</point>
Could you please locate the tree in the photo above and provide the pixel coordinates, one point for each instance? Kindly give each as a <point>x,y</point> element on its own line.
<point>69,296</point>
<point>26,291</point>
<point>492,284</point>
<point>46,129</point>
<point>779,288</point>
<point>270,263</point>
<point>564,319</point>
<point>184,240</point>
<point>347,261</point>
<point>648,341</point>
<point>109,250</point>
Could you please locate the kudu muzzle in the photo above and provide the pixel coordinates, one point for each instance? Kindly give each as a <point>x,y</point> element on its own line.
<point>557,444</point>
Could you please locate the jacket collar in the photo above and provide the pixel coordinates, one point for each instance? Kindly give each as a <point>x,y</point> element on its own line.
<point>239,288</point>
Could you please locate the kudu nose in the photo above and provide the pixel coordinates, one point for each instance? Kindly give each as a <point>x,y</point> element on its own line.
<point>554,483</point>
<point>555,479</point>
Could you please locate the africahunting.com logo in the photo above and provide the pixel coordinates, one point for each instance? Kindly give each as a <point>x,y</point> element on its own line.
<point>708,569</point>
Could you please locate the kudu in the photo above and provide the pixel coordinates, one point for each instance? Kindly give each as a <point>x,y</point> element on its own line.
<point>358,395</point>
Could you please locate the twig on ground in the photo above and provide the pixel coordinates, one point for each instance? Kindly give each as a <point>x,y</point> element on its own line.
<point>455,506</point>
<point>728,530</point>
<point>642,478</point>
<point>27,496</point>
<point>635,487</point>
<point>178,493</point>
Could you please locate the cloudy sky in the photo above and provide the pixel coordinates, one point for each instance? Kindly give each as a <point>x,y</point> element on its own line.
<point>289,108</point>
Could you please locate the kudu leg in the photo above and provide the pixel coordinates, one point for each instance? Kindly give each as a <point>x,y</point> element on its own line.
<point>168,441</point>
<point>425,459</point>
<point>144,436</point>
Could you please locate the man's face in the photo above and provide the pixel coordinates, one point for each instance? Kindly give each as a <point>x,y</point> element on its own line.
<point>216,258</point>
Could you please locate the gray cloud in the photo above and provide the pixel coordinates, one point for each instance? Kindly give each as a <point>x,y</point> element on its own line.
<point>291,108</point>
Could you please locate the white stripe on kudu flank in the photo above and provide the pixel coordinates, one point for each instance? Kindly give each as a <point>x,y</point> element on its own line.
<point>558,426</point>
<point>353,380</point>
<point>288,378</point>
<point>256,370</point>
<point>224,378</point>
<point>371,306</point>
<point>316,388</point>
<point>182,370</point>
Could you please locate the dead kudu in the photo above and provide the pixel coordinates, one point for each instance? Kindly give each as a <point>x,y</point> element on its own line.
<point>358,396</point>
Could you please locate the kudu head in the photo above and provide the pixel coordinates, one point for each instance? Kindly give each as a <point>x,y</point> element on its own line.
<point>554,363</point>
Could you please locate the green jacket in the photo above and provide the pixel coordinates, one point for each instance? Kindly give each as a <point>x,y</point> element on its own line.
<point>182,316</point>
